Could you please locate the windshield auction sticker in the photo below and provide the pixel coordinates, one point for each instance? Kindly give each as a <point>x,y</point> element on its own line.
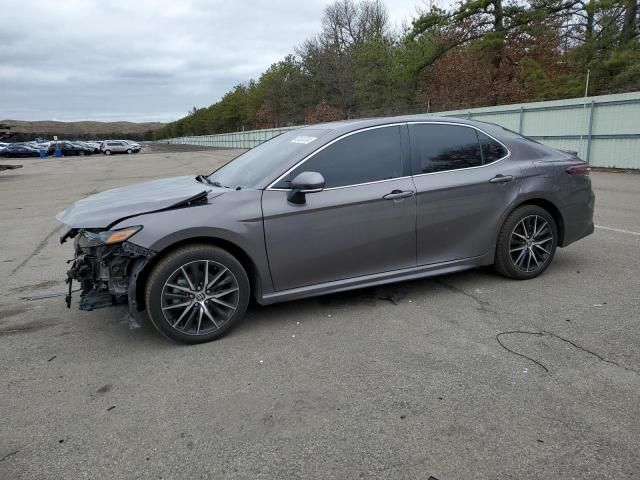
<point>303,139</point>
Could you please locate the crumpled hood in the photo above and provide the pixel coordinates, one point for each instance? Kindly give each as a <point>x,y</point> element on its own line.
<point>103,209</point>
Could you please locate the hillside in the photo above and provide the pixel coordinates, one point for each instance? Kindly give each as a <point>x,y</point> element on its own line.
<point>85,129</point>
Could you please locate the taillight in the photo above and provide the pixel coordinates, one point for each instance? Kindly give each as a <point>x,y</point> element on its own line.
<point>582,170</point>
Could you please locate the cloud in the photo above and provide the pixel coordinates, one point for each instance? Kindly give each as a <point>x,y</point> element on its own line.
<point>143,60</point>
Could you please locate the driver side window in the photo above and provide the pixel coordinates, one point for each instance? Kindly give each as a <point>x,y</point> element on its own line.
<point>362,157</point>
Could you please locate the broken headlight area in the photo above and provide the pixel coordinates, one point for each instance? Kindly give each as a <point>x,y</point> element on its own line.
<point>104,265</point>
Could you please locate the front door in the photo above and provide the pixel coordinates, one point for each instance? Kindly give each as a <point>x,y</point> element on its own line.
<point>362,223</point>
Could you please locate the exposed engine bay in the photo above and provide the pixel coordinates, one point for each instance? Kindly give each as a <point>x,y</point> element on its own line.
<point>106,268</point>
<point>105,263</point>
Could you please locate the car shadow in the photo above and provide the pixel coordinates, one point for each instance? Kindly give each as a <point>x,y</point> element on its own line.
<point>396,294</point>
<point>393,294</point>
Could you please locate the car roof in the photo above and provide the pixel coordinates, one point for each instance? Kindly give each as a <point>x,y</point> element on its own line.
<point>341,127</point>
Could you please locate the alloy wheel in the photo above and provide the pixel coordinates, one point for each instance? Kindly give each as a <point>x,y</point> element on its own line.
<point>531,243</point>
<point>200,297</point>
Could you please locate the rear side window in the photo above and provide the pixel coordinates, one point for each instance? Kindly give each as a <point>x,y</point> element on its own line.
<point>439,147</point>
<point>491,150</point>
<point>362,157</point>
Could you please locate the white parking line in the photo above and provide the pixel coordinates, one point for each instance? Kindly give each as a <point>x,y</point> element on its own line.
<point>619,230</point>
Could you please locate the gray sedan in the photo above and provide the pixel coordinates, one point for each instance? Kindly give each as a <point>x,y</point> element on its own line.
<point>323,209</point>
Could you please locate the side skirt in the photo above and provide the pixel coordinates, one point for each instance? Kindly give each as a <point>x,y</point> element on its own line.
<point>393,276</point>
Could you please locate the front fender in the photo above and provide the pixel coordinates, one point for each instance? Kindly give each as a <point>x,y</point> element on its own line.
<point>234,219</point>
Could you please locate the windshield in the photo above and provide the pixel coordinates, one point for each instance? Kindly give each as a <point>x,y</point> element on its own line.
<point>265,160</point>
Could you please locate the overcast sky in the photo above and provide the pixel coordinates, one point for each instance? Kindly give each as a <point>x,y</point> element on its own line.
<point>144,60</point>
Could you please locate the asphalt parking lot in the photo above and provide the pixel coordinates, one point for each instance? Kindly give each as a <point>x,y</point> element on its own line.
<point>464,376</point>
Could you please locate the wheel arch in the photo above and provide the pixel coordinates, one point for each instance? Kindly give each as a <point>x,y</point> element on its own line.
<point>549,206</point>
<point>238,252</point>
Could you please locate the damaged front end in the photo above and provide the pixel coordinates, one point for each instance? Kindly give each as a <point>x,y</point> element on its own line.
<point>106,266</point>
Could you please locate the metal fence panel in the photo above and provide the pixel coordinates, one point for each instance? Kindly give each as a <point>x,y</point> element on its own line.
<point>604,130</point>
<point>246,139</point>
<point>616,152</point>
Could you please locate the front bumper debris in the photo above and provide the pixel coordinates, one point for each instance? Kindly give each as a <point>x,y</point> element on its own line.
<point>107,274</point>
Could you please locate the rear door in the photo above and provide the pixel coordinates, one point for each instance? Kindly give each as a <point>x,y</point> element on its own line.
<point>362,223</point>
<point>464,182</point>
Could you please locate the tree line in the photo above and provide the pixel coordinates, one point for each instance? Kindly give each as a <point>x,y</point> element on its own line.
<point>479,53</point>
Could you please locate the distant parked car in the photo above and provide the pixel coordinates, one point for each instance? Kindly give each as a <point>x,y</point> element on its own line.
<point>17,150</point>
<point>82,145</point>
<point>42,145</point>
<point>94,147</point>
<point>135,145</point>
<point>70,148</point>
<point>3,145</point>
<point>118,146</point>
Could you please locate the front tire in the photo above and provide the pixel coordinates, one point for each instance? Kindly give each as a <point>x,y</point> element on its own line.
<point>527,243</point>
<point>197,293</point>
<point>129,151</point>
<point>107,152</point>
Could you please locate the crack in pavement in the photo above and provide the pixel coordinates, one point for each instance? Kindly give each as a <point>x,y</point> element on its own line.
<point>37,250</point>
<point>483,305</point>
<point>591,352</point>
<point>43,243</point>
<point>25,328</point>
<point>543,333</point>
<point>10,454</point>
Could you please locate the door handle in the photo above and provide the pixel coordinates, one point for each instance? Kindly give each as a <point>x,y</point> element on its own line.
<point>396,194</point>
<point>501,178</point>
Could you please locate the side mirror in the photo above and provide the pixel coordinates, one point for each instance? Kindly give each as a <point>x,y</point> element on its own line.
<point>303,183</point>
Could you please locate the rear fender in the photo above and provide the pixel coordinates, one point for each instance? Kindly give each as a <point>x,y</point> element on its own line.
<point>539,186</point>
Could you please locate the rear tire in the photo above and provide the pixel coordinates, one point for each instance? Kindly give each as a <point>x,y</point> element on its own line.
<point>82,153</point>
<point>527,243</point>
<point>197,294</point>
<point>129,151</point>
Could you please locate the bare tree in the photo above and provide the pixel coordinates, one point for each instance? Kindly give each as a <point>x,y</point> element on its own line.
<point>348,26</point>
<point>630,25</point>
<point>346,22</point>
